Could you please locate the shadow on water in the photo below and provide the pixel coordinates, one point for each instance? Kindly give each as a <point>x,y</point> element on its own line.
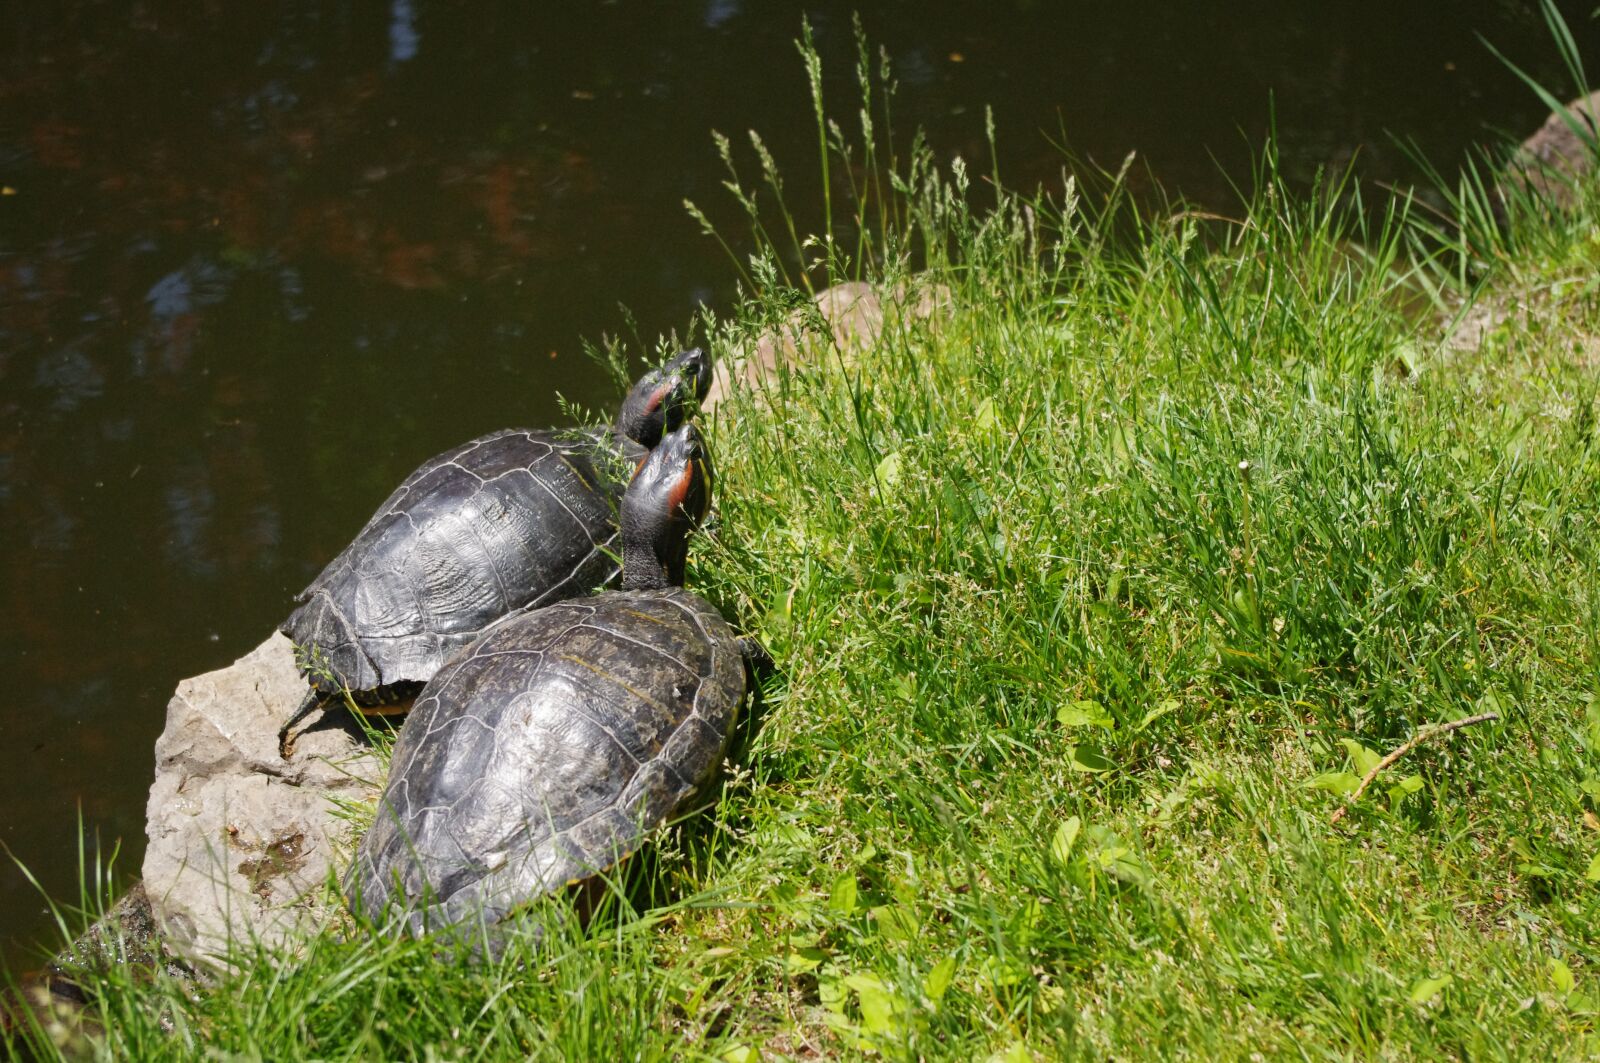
<point>258,261</point>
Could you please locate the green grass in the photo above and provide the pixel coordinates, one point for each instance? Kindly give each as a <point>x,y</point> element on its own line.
<point>1093,592</point>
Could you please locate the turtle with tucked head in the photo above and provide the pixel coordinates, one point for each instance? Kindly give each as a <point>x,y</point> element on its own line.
<point>510,521</point>
<point>549,749</point>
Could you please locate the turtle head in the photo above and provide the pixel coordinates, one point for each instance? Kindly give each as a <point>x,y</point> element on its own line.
<point>668,498</point>
<point>661,399</point>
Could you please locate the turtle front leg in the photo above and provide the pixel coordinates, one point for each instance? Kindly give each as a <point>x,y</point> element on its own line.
<point>758,663</point>
<point>759,671</point>
<point>313,700</point>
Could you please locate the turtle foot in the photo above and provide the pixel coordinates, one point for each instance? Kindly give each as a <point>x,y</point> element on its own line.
<point>285,736</point>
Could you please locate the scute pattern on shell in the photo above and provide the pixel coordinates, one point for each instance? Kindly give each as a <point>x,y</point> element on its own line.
<point>510,521</point>
<point>546,751</point>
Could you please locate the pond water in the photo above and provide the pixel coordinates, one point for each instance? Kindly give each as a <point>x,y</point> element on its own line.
<point>259,260</point>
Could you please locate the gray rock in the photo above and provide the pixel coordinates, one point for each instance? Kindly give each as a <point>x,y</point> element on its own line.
<point>1551,163</point>
<point>853,313</point>
<point>241,841</point>
<point>1561,151</point>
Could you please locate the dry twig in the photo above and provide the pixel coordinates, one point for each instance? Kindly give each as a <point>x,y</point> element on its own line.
<point>1422,735</point>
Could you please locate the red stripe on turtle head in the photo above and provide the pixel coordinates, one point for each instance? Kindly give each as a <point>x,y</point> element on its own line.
<point>680,490</point>
<point>658,396</point>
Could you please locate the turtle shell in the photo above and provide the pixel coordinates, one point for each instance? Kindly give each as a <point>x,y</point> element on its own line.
<point>546,752</point>
<point>510,521</point>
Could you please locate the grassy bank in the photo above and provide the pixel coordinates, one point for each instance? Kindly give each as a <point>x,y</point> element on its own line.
<point>1095,592</point>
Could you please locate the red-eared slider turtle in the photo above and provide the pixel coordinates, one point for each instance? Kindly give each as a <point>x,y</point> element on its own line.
<point>549,748</point>
<point>512,520</point>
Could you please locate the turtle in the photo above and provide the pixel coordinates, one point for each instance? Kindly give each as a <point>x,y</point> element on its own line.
<point>549,748</point>
<point>509,521</point>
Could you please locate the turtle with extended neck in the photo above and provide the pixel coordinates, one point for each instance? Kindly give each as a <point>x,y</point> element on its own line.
<point>510,521</point>
<point>548,749</point>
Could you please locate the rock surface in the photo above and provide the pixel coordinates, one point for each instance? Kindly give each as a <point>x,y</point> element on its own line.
<point>241,841</point>
<point>854,313</point>
<point>1549,162</point>
<point>1555,154</point>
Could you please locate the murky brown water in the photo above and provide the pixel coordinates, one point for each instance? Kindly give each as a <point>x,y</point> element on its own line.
<point>259,260</point>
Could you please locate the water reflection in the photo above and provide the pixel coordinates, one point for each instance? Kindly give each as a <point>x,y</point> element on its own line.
<point>403,40</point>
<point>719,12</point>
<point>262,259</point>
